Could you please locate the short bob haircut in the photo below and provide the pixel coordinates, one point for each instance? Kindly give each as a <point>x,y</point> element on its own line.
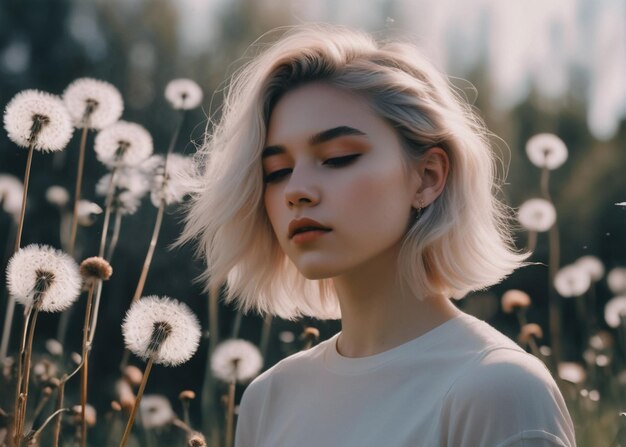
<point>462,242</point>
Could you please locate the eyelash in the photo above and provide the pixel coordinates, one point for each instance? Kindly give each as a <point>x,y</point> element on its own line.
<point>333,162</point>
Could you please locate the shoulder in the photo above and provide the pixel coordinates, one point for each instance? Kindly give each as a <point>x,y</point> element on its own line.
<point>290,367</point>
<point>506,394</point>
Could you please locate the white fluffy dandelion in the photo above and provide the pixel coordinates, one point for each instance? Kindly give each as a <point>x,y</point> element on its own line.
<point>37,117</point>
<point>572,280</point>
<point>101,101</point>
<point>244,354</point>
<point>546,150</point>
<point>87,212</point>
<point>183,94</point>
<point>614,310</point>
<point>57,196</point>
<point>616,280</point>
<point>155,411</point>
<point>147,315</point>
<point>172,189</point>
<point>123,144</point>
<point>572,372</point>
<point>537,215</point>
<point>593,266</point>
<point>11,191</point>
<point>126,179</point>
<point>39,264</point>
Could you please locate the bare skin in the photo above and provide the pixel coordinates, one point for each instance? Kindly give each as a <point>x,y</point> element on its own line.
<point>366,201</point>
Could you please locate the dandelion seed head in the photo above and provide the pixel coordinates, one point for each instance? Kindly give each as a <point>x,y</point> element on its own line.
<point>246,355</point>
<point>11,191</point>
<point>172,190</point>
<point>546,150</point>
<point>54,347</point>
<point>183,94</point>
<point>615,311</point>
<point>127,179</point>
<point>139,325</point>
<point>94,269</point>
<point>155,411</point>
<point>528,330</point>
<point>514,299</point>
<point>603,360</point>
<point>616,280</point>
<point>30,106</point>
<point>601,340</point>
<point>537,215</point>
<point>286,337</point>
<point>572,280</point>
<point>123,144</point>
<point>90,414</point>
<point>593,266</point>
<point>572,372</point>
<point>102,99</point>
<point>125,394</point>
<point>87,212</point>
<point>76,358</point>
<point>22,276</point>
<point>133,375</point>
<point>57,196</point>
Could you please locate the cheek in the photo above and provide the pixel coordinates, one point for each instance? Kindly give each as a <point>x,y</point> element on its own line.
<point>379,201</point>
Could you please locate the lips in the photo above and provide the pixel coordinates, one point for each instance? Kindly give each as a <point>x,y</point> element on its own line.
<point>305,224</point>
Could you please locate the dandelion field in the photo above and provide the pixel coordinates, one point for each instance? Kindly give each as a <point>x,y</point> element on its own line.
<point>107,337</point>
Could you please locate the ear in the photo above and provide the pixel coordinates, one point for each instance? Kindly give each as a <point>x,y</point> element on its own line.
<point>432,170</point>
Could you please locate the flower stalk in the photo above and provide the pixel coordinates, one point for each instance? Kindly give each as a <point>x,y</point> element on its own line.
<point>91,106</point>
<point>160,332</point>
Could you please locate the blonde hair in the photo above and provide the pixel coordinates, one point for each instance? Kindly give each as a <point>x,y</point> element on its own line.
<point>462,241</point>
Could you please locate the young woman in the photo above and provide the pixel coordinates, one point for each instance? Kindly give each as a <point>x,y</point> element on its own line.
<point>347,179</point>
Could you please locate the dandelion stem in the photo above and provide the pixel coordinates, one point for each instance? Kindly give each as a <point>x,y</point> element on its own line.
<point>19,373</point>
<point>34,434</point>
<point>20,225</point>
<point>23,393</point>
<point>8,319</point>
<point>230,411</point>
<point>107,213</point>
<point>210,423</point>
<point>6,331</point>
<point>85,371</point>
<point>142,386</point>
<point>116,234</point>
<point>265,334</point>
<point>150,254</point>
<point>59,404</point>
<point>79,181</point>
<point>94,314</point>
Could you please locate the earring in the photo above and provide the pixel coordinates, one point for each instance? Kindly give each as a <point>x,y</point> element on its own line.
<point>418,210</point>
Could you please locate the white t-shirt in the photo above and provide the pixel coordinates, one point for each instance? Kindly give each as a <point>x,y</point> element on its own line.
<point>462,384</point>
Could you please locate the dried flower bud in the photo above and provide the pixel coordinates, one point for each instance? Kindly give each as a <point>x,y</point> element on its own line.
<point>187,395</point>
<point>46,391</point>
<point>94,269</point>
<point>310,333</point>
<point>76,358</point>
<point>115,406</point>
<point>514,299</point>
<point>196,440</point>
<point>90,414</point>
<point>133,375</point>
<point>54,382</point>
<point>528,330</point>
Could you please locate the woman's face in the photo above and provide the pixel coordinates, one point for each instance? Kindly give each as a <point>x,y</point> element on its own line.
<point>329,158</point>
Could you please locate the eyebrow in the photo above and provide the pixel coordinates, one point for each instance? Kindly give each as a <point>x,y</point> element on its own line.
<point>318,138</point>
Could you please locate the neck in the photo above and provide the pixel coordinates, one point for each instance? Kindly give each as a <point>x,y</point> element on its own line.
<point>377,315</point>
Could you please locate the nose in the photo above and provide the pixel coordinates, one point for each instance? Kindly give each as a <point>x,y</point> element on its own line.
<point>301,189</point>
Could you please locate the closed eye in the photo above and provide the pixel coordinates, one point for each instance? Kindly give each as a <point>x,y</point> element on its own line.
<point>276,175</point>
<point>333,162</point>
<point>341,161</point>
